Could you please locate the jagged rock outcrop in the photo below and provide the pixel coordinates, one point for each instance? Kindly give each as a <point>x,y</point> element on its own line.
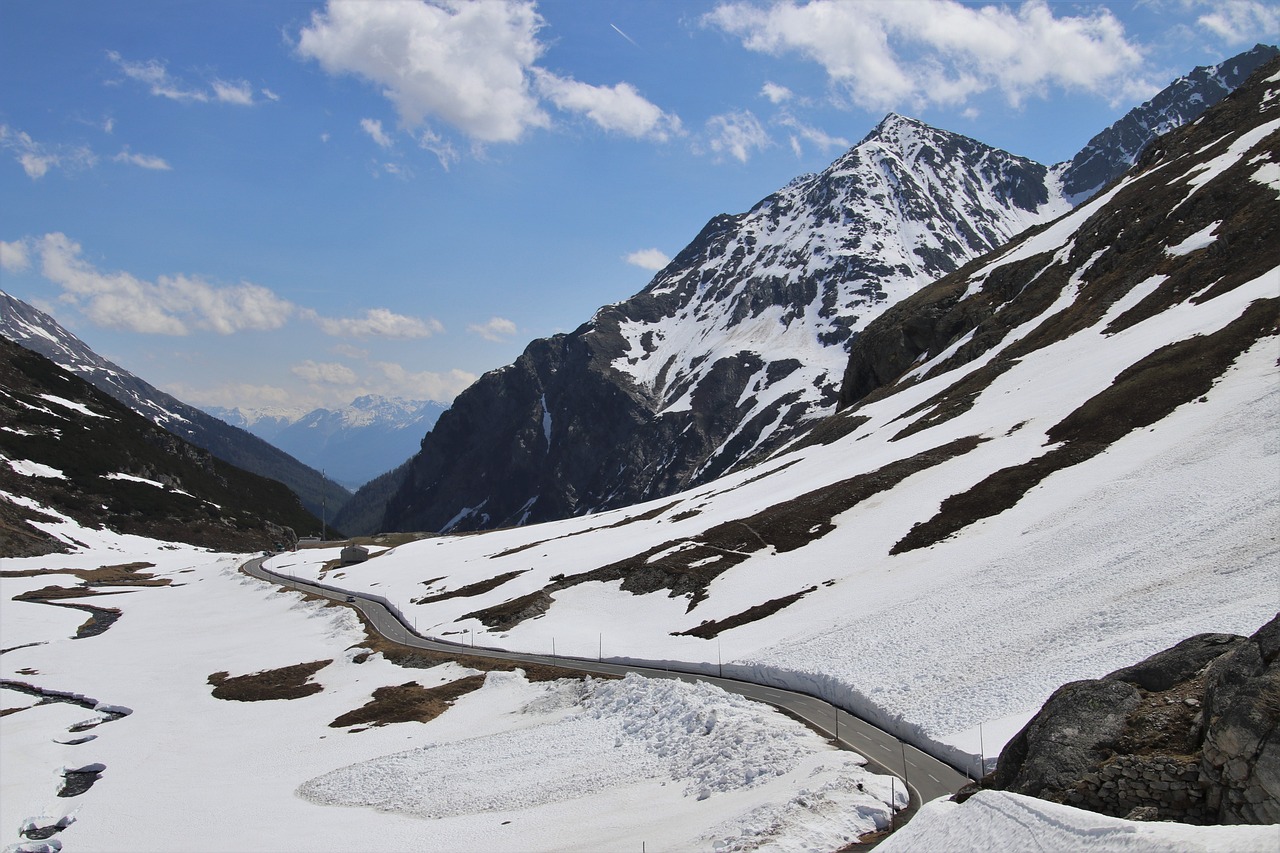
<point>1191,734</point>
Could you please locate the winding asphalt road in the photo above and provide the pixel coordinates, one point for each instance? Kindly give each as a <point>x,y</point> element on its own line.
<point>927,778</point>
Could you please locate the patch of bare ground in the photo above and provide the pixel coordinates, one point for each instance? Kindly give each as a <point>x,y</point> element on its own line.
<point>631,519</point>
<point>100,618</point>
<point>513,612</point>
<point>408,703</point>
<point>712,628</point>
<point>415,658</point>
<point>1143,394</point>
<point>286,682</point>
<point>472,589</point>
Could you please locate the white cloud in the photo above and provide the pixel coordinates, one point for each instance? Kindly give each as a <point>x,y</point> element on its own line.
<point>154,74</point>
<point>15,256</point>
<point>437,145</point>
<point>144,161</point>
<point>775,93</point>
<point>349,351</point>
<point>379,323</point>
<point>916,52</point>
<point>737,134</point>
<point>427,385</point>
<point>226,92</point>
<point>1241,21</point>
<point>37,158</point>
<point>231,395</point>
<point>373,127</point>
<point>171,305</point>
<point>617,109</point>
<point>270,95</point>
<point>648,259</point>
<point>324,373</point>
<point>466,63</point>
<point>814,136</point>
<point>494,329</point>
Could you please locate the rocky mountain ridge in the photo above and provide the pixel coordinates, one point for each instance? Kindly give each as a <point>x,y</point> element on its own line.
<point>37,331</point>
<point>70,449</point>
<point>741,342</point>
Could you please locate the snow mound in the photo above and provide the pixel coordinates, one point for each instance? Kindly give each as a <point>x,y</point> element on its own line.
<point>995,821</point>
<point>623,733</point>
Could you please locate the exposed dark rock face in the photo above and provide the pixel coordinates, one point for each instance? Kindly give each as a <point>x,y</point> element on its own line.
<point>70,447</point>
<point>1111,153</point>
<point>1191,734</point>
<point>40,333</point>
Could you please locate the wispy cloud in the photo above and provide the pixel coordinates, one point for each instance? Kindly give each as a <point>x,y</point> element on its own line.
<point>494,329</point>
<point>377,323</point>
<point>737,134</point>
<point>648,259</point>
<point>617,109</point>
<point>373,127</point>
<point>170,305</point>
<point>154,74</point>
<point>624,35</point>
<point>424,385</point>
<point>916,52</point>
<point>15,257</point>
<point>1241,21</point>
<point>324,373</point>
<point>37,158</point>
<point>144,161</point>
<point>775,93</point>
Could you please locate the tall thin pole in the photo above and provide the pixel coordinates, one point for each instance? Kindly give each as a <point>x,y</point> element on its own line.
<point>324,509</point>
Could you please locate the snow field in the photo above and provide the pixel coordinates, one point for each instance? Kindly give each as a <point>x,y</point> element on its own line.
<point>563,764</point>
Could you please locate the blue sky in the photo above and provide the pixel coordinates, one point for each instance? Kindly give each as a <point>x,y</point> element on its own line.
<point>287,204</point>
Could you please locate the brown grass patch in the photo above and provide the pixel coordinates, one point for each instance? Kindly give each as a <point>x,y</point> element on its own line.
<point>1142,394</point>
<point>287,682</point>
<point>712,628</point>
<point>472,589</point>
<point>408,703</point>
<point>126,574</point>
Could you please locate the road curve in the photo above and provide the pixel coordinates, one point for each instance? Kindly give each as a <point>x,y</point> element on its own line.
<point>926,777</point>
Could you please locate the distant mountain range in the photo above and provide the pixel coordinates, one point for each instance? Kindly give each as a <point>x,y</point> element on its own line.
<point>740,343</point>
<point>37,331</point>
<point>351,445</point>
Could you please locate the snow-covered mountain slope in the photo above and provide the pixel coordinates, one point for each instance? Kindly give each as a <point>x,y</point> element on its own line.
<point>70,450</point>
<point>741,341</point>
<point>39,332</point>
<point>1113,151</point>
<point>1059,460</point>
<point>352,445</point>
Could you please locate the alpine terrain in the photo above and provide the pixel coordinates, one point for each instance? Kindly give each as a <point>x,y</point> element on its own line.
<point>740,343</point>
<point>1048,464</point>
<point>39,332</point>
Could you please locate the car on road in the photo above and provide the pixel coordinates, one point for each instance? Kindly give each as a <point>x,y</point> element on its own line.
<point>351,598</point>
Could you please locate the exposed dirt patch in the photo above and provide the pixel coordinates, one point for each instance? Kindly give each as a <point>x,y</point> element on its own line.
<point>644,516</point>
<point>408,703</point>
<point>712,628</point>
<point>508,613</point>
<point>287,682</point>
<point>1144,393</point>
<point>472,589</point>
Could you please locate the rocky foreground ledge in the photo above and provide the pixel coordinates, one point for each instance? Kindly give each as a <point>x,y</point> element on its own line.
<point>1190,734</point>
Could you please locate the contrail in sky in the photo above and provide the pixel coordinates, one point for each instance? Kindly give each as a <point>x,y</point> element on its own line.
<point>624,35</point>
